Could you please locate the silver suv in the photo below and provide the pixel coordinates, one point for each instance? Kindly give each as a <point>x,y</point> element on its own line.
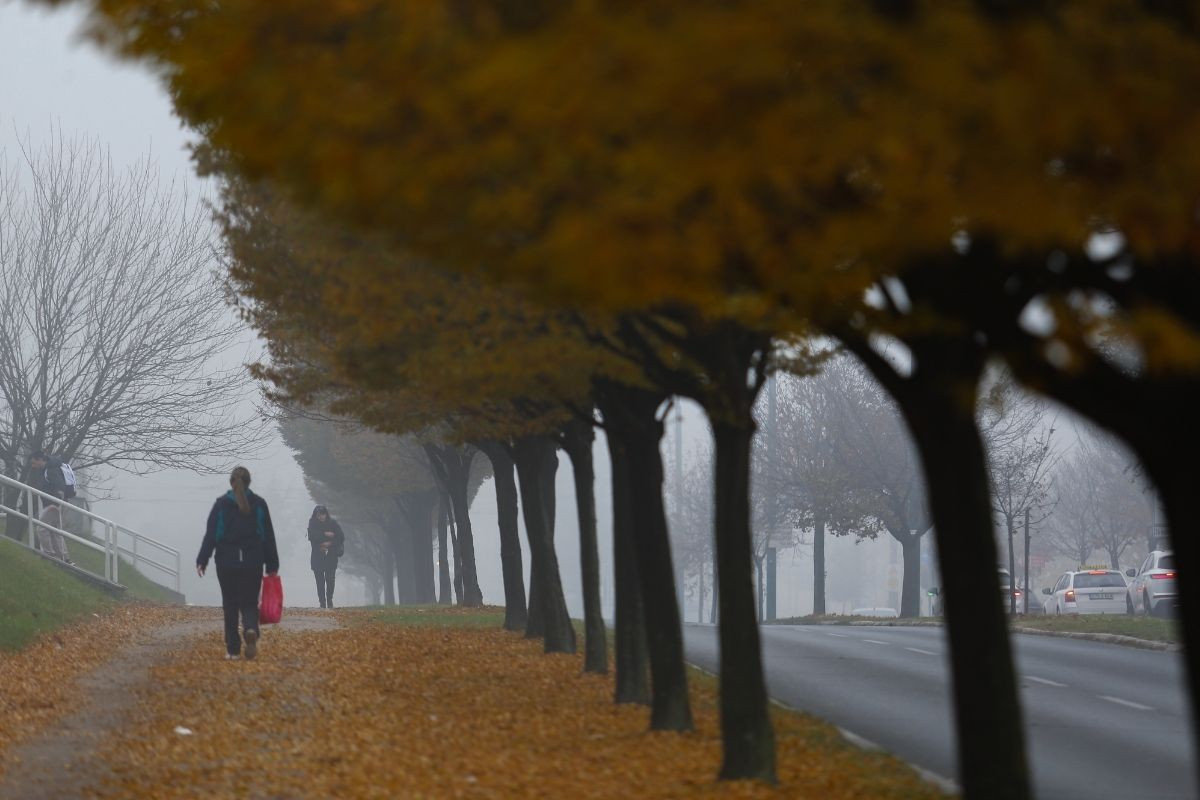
<point>1152,590</point>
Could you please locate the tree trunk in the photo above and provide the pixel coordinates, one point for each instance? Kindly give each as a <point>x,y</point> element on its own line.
<point>452,466</point>
<point>632,683</point>
<point>534,457</point>
<point>459,488</point>
<point>418,509</point>
<point>577,441</point>
<point>535,621</point>
<point>910,593</point>
<point>515,614</point>
<point>630,416</point>
<point>716,596</point>
<point>459,596</point>
<point>758,589</point>
<point>1011,600</point>
<point>444,583</point>
<point>991,743</point>
<point>818,566</point>
<point>387,571</point>
<point>1176,475</point>
<point>746,733</point>
<point>401,541</point>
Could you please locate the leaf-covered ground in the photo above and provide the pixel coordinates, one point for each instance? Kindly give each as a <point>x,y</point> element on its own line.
<point>39,684</point>
<point>423,703</point>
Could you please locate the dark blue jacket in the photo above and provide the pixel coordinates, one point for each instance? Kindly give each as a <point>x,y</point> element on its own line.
<point>240,540</point>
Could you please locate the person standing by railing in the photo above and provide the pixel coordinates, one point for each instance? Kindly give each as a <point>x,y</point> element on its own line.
<point>328,543</point>
<point>239,531</point>
<point>47,477</point>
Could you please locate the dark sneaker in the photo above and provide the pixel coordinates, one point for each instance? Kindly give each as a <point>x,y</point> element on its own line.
<point>251,637</point>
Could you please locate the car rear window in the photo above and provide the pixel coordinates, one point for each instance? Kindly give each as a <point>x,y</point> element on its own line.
<point>1085,580</point>
<point>1166,562</point>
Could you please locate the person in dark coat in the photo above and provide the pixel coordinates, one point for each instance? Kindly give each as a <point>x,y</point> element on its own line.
<point>240,533</point>
<point>328,544</point>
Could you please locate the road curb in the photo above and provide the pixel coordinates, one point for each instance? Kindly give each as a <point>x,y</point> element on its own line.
<point>1108,638</point>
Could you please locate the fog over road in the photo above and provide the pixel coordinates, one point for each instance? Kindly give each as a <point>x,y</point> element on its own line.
<point>1102,720</point>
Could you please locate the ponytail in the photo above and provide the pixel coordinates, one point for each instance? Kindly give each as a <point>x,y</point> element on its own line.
<point>239,479</point>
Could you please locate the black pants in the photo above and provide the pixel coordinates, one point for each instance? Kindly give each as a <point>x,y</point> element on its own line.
<point>325,584</point>
<point>239,595</point>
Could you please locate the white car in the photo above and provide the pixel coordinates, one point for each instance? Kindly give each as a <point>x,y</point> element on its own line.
<point>1089,591</point>
<point>1153,588</point>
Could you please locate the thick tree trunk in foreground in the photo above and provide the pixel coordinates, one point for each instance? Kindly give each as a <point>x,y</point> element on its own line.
<point>577,437</point>
<point>503,471</point>
<point>746,733</point>
<point>991,744</point>
<point>534,456</point>
<point>818,566</point>
<point>631,659</point>
<point>630,415</point>
<point>910,593</point>
<point>1176,482</point>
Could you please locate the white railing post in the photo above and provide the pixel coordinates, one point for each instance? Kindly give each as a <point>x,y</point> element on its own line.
<point>135,552</point>
<point>178,574</point>
<point>116,553</point>
<point>29,518</point>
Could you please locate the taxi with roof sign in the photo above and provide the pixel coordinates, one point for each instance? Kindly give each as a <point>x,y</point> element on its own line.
<point>1087,591</point>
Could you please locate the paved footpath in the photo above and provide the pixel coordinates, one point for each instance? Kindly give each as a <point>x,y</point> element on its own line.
<point>66,760</point>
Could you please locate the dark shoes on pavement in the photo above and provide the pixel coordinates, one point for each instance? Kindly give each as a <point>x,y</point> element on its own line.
<point>251,637</point>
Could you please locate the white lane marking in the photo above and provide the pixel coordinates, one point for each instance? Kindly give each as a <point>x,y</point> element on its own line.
<point>1046,681</point>
<point>919,650</point>
<point>874,641</point>
<point>839,635</point>
<point>1127,703</point>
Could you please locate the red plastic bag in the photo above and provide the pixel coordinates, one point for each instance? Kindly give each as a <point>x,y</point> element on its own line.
<point>270,607</point>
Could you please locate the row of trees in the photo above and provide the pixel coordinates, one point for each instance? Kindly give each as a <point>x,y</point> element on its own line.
<point>611,203</point>
<point>833,457</point>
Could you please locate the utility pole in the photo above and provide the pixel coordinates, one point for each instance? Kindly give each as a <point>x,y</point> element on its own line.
<point>1027,561</point>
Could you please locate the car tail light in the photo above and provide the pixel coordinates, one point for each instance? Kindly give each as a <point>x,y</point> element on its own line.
<point>1162,575</point>
<point>1070,597</point>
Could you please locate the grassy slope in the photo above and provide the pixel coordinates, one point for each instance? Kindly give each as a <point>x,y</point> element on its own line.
<point>138,585</point>
<point>36,596</point>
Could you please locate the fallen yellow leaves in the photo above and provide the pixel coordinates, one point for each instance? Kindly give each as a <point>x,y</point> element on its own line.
<point>375,710</point>
<point>39,683</point>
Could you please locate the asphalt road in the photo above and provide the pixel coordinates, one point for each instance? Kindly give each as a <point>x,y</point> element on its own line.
<point>1102,720</point>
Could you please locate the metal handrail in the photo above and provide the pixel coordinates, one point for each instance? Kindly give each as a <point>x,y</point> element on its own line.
<point>112,549</point>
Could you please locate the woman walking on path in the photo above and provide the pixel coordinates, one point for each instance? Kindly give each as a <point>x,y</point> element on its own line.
<point>328,544</point>
<point>240,531</point>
